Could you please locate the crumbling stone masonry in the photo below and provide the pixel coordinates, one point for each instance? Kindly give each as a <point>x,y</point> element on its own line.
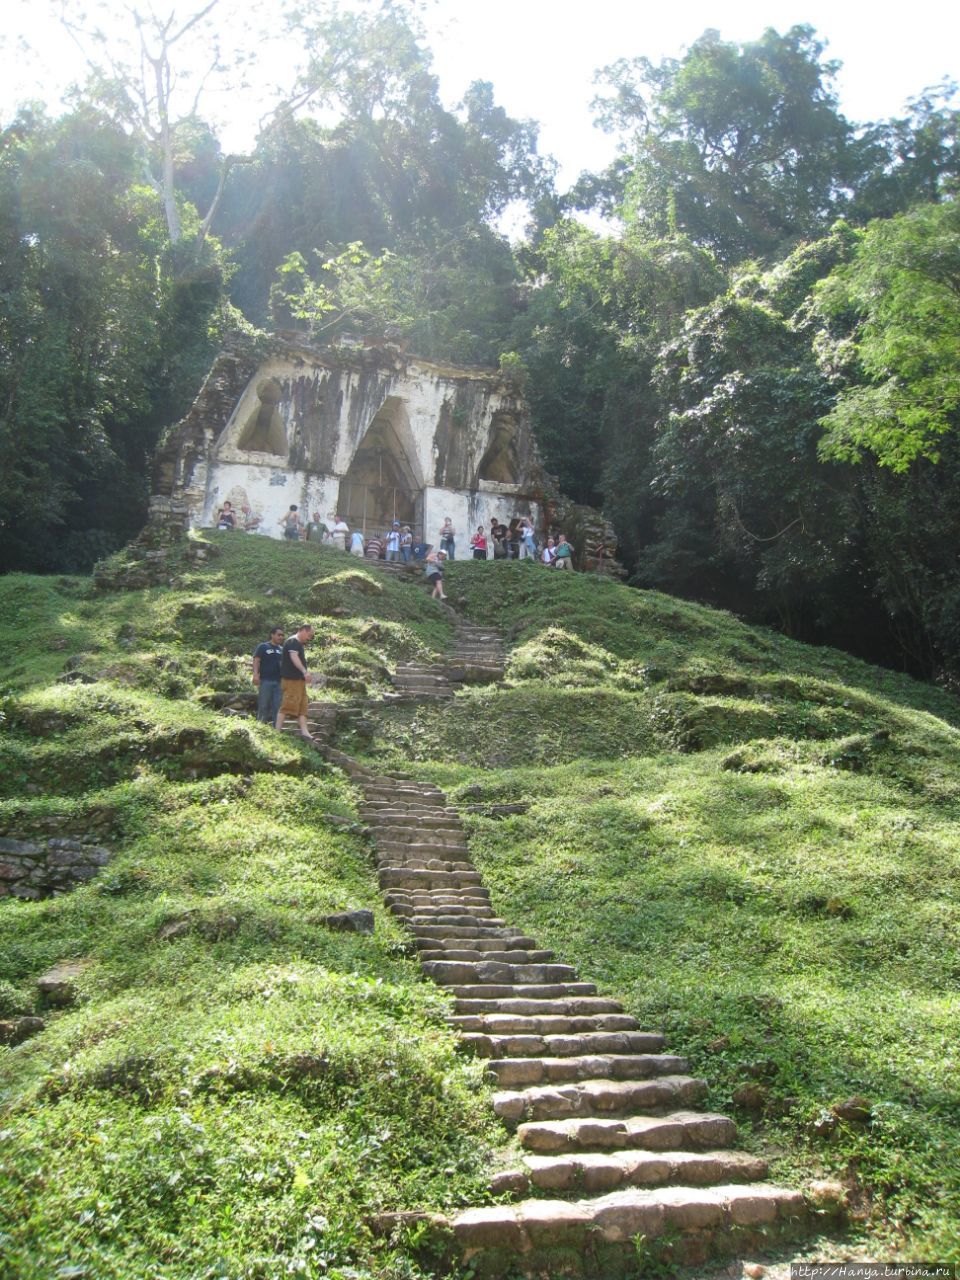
<point>42,868</point>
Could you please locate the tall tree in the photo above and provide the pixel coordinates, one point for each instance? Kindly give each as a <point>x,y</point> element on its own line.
<point>751,518</point>
<point>135,73</point>
<point>100,344</point>
<point>394,169</point>
<point>589,337</point>
<point>740,146</point>
<point>915,157</point>
<point>900,357</point>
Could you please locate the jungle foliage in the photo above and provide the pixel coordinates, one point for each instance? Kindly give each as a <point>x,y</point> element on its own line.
<point>753,370</point>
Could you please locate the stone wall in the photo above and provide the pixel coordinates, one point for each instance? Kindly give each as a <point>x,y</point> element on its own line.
<point>41,868</point>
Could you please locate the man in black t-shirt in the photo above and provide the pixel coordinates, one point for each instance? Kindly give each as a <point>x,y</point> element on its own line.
<point>294,678</point>
<point>266,676</point>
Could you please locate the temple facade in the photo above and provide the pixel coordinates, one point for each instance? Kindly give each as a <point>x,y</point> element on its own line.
<point>369,433</point>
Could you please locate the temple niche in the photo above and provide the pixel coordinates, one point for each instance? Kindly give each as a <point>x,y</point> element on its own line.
<point>499,464</point>
<point>372,433</point>
<point>264,431</point>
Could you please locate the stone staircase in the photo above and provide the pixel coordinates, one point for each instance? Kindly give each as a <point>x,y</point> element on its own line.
<point>617,1162</point>
<point>477,657</point>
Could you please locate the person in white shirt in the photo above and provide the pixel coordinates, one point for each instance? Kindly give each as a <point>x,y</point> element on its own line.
<point>339,533</point>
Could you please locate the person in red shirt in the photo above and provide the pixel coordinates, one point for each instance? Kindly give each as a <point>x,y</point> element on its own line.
<point>479,544</point>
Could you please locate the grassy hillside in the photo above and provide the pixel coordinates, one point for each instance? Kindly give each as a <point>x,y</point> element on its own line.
<point>755,843</point>
<point>751,842</point>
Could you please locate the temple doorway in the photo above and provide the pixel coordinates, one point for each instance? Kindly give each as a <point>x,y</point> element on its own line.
<point>382,483</point>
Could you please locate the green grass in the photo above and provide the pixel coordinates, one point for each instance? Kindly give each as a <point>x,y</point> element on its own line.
<point>753,843</point>
<point>240,1098</point>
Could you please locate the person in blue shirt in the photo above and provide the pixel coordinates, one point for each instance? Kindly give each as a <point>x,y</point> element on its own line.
<point>266,676</point>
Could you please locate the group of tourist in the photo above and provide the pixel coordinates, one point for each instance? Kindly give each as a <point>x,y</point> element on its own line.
<point>516,541</point>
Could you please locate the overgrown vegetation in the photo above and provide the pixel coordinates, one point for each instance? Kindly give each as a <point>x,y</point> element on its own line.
<point>237,1089</point>
<point>751,842</point>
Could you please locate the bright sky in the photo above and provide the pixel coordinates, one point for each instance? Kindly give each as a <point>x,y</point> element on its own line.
<point>541,54</point>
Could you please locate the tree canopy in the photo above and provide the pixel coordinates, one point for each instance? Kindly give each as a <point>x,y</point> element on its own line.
<point>752,367</point>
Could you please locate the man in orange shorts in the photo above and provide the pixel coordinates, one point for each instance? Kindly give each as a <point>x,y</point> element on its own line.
<point>294,678</point>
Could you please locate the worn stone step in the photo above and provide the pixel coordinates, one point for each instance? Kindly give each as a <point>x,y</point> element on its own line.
<point>494,940</point>
<point>385,824</point>
<point>524,991</point>
<point>696,1217</point>
<point>425,848</point>
<point>472,955</point>
<point>548,1024</point>
<point>421,863</point>
<point>482,933</point>
<point>403,812</point>
<point>404,698</point>
<point>596,1098</point>
<point>571,1046</point>
<point>459,900</point>
<point>400,878</point>
<point>407,812</point>
<point>593,1172</point>
<point>422,849</point>
<point>476,909</point>
<point>420,914</point>
<point>474,899</point>
<point>559,1006</point>
<point>524,1071</point>
<point>421,684</point>
<point>401,793</point>
<point>374,797</point>
<point>474,905</point>
<point>458,972</point>
<point>680,1130</point>
<point>394,804</point>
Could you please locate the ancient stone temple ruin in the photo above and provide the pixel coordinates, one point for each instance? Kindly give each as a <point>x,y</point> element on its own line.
<point>370,433</point>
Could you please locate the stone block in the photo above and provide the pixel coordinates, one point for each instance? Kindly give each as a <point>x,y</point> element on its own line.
<point>554,1222</point>
<point>753,1210</point>
<point>691,1210</point>
<point>15,1030</point>
<point>623,1215</point>
<point>22,848</point>
<point>58,985</point>
<point>511,1182</point>
<point>495,1227</point>
<point>349,921</point>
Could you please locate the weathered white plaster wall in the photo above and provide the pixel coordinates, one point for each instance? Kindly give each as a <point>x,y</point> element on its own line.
<point>269,490</point>
<point>443,423</point>
<point>468,509</point>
